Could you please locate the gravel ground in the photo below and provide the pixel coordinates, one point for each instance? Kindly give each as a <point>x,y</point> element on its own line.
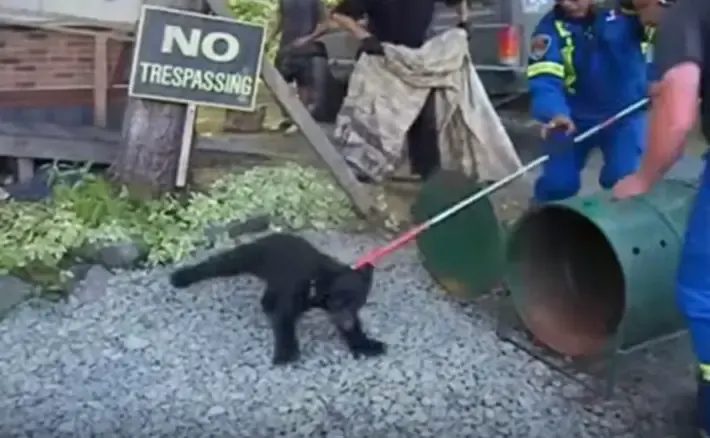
<point>148,360</point>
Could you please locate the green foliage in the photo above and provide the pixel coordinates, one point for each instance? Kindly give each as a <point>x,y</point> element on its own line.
<point>36,237</point>
<point>254,11</point>
<point>258,12</point>
<point>262,12</point>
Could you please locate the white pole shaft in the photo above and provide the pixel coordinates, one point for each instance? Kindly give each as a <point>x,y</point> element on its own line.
<point>528,167</point>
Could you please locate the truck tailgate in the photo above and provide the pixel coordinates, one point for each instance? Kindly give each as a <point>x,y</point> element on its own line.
<point>484,25</point>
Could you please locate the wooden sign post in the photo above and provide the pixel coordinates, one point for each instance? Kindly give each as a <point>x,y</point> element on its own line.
<point>186,143</point>
<point>196,59</point>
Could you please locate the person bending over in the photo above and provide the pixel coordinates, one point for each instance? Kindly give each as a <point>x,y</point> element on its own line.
<point>403,22</point>
<point>586,64</point>
<point>682,64</point>
<point>297,19</point>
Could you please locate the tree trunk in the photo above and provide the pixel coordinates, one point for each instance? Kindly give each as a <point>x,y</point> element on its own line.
<point>150,138</point>
<point>147,163</point>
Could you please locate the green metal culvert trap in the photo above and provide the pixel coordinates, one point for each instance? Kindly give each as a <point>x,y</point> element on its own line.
<point>464,253</point>
<point>591,275</point>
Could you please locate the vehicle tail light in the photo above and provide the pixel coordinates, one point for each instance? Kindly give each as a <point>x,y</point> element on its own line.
<point>509,46</point>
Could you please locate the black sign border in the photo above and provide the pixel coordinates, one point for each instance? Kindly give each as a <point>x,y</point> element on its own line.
<point>139,40</point>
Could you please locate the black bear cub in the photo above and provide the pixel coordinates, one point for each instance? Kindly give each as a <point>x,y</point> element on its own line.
<point>298,278</point>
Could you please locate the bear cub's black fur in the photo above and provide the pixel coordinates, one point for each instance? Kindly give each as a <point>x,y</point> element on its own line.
<point>298,278</point>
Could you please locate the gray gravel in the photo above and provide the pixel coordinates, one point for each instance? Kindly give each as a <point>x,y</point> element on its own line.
<point>148,360</point>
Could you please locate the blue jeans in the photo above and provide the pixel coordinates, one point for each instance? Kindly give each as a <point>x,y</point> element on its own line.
<point>693,290</point>
<point>621,144</point>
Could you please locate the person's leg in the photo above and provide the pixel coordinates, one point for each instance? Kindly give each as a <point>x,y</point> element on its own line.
<point>422,141</point>
<point>693,292</point>
<point>285,66</point>
<point>622,148</point>
<point>303,72</point>
<point>560,177</point>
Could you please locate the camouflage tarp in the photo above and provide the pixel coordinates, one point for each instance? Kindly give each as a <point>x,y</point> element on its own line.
<point>386,94</point>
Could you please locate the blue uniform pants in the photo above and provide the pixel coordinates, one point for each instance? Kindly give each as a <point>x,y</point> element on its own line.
<point>693,290</point>
<point>621,145</point>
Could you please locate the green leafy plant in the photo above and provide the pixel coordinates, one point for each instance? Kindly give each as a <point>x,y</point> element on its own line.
<point>43,239</point>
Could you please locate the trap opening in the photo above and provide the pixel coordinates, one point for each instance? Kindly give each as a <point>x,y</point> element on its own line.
<point>566,281</point>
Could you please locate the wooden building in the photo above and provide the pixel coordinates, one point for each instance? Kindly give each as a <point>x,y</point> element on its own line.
<point>67,65</point>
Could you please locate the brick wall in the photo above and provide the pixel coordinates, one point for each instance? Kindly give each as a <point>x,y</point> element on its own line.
<point>31,58</point>
<point>41,69</point>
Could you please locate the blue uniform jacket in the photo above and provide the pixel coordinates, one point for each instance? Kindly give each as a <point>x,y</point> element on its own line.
<point>587,69</point>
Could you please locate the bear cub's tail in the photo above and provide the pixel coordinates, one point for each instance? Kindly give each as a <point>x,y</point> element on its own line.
<point>225,264</point>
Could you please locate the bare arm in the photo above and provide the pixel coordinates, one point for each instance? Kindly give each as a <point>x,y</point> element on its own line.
<point>352,26</point>
<point>346,16</point>
<point>324,25</point>
<point>672,118</point>
<point>462,11</point>
<point>321,29</point>
<point>679,57</point>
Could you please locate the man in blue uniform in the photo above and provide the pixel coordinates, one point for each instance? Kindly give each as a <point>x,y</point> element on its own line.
<point>586,64</point>
<point>682,63</point>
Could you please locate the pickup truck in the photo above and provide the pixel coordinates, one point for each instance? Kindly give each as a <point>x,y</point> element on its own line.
<point>499,31</point>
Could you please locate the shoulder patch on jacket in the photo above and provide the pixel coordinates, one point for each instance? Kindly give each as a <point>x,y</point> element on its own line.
<point>539,46</point>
